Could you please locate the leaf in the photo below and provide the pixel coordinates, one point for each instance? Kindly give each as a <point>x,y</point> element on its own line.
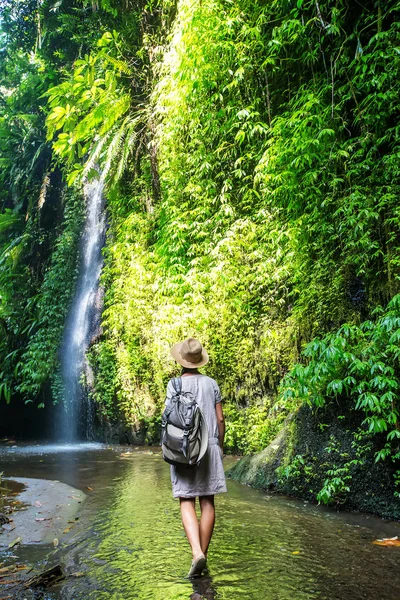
<point>105,40</point>
<point>394,541</point>
<point>17,540</point>
<point>57,114</point>
<point>67,530</point>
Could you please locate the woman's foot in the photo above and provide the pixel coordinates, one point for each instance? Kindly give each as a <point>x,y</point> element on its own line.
<point>197,567</point>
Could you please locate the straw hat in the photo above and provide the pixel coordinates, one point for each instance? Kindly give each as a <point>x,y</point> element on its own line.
<point>190,354</point>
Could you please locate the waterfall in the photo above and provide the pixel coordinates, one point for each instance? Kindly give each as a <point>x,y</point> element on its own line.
<point>83,320</point>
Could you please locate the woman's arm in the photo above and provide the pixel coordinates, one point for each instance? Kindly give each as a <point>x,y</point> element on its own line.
<point>221,424</point>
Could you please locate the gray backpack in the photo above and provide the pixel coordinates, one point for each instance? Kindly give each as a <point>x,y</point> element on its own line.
<point>184,434</point>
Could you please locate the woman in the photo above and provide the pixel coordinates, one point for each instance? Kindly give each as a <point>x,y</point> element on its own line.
<point>207,479</point>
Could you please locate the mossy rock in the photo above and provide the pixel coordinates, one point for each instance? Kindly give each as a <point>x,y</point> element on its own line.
<point>259,470</point>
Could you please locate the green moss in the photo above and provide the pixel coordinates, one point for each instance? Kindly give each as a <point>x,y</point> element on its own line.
<point>260,470</point>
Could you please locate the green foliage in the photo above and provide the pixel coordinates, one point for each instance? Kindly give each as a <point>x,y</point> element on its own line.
<point>13,242</point>
<point>40,42</point>
<point>48,309</point>
<point>89,113</point>
<point>336,486</point>
<point>251,158</point>
<point>277,208</point>
<point>103,360</point>
<point>297,469</point>
<point>358,368</point>
<point>248,429</point>
<point>326,475</point>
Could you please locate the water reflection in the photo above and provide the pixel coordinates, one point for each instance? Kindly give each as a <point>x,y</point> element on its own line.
<point>203,589</point>
<point>263,547</point>
<point>131,543</point>
<point>51,448</point>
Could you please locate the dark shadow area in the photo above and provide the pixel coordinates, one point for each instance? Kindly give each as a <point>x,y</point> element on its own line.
<point>203,589</point>
<point>26,422</point>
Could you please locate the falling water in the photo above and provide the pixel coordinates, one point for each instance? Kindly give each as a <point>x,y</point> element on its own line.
<point>83,320</point>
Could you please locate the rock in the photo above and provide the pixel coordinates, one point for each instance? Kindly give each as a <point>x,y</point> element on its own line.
<point>4,519</point>
<point>46,579</point>
<point>259,470</point>
<point>49,506</point>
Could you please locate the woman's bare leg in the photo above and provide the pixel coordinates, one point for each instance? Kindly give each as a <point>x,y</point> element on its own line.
<point>191,525</point>
<point>207,521</point>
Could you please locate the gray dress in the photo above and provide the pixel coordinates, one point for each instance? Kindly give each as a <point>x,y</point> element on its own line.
<point>208,478</point>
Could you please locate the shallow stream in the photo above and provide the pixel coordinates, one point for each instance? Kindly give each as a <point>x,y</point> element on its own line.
<point>129,544</point>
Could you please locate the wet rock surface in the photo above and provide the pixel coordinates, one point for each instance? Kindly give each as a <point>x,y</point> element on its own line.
<point>44,511</point>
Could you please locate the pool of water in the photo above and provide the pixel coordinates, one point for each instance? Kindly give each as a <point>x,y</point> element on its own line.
<point>129,543</point>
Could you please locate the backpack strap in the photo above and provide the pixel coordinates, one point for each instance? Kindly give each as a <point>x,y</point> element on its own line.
<point>177,384</point>
<point>186,432</point>
<point>177,387</point>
